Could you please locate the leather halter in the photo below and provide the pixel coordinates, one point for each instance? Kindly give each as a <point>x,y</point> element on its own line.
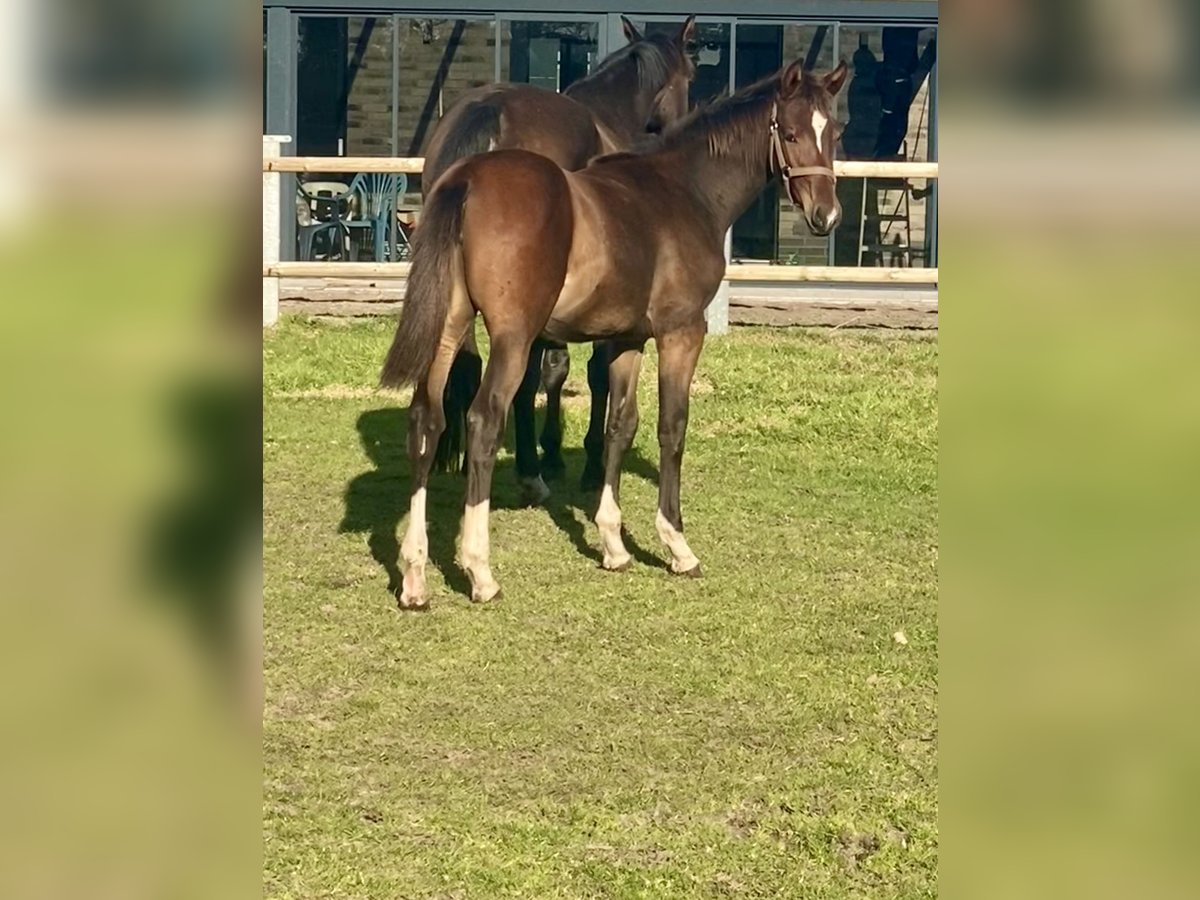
<point>779,158</point>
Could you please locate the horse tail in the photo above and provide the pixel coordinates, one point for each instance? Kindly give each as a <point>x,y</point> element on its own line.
<point>430,284</point>
<point>476,130</point>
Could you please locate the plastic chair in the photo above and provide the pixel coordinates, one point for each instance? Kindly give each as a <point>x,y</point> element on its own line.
<point>319,210</point>
<point>373,208</point>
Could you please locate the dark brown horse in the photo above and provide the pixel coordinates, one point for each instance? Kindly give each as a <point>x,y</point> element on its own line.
<point>629,248</point>
<point>641,87</point>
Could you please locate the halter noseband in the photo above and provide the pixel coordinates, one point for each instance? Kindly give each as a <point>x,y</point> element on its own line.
<point>779,158</point>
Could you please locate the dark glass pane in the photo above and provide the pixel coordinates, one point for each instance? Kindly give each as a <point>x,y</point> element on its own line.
<point>552,55</point>
<point>320,86</point>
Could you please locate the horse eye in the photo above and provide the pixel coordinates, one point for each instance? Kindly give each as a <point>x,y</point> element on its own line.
<point>789,136</point>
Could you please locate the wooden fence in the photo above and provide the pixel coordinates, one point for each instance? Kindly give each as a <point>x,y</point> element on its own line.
<point>275,163</point>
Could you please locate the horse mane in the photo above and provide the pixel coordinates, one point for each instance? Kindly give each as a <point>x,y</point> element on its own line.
<point>654,57</point>
<point>734,123</point>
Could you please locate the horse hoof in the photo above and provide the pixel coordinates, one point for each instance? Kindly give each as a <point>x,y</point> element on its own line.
<point>481,598</point>
<point>534,491</point>
<point>693,572</point>
<point>620,567</point>
<point>412,604</point>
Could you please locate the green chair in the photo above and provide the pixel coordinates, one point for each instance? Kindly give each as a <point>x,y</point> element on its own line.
<point>373,208</point>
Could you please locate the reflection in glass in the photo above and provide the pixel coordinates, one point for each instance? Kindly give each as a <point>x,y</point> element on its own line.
<point>710,53</point>
<point>439,60</point>
<point>550,55</point>
<point>886,113</point>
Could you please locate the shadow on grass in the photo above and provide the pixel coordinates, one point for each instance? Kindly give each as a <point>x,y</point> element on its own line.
<point>376,501</point>
<point>196,539</point>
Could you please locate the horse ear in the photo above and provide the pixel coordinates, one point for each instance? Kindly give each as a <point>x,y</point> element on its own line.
<point>790,80</point>
<point>631,32</point>
<point>687,33</point>
<point>836,79</point>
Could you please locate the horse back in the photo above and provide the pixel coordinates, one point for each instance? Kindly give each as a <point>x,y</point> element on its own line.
<point>512,116</point>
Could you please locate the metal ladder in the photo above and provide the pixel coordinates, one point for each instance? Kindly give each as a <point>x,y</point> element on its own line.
<point>892,194</point>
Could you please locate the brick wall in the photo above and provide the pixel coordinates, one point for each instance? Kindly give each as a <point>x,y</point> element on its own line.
<point>422,51</point>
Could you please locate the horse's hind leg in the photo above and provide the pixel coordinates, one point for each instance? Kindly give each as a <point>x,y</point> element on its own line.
<point>529,470</point>
<point>485,423</point>
<point>426,420</point>
<point>622,426</point>
<point>556,364</point>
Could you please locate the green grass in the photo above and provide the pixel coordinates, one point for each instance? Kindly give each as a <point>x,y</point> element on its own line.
<point>755,733</point>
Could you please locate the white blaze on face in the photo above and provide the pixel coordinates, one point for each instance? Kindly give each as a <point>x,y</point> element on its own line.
<point>819,123</point>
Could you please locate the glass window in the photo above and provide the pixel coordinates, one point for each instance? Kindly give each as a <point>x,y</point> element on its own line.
<point>344,86</point>
<point>320,83</point>
<point>886,109</point>
<point>440,59</point>
<point>353,73</point>
<point>551,55</point>
<point>367,90</point>
<point>710,52</point>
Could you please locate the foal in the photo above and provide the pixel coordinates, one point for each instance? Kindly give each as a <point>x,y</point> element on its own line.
<point>629,248</point>
<point>642,86</point>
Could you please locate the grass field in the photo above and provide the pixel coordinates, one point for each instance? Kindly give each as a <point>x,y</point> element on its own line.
<point>769,730</point>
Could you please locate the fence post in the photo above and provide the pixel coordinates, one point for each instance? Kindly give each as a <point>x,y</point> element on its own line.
<point>272,149</point>
<point>717,314</point>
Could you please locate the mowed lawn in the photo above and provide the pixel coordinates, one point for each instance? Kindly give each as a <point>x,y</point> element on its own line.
<point>769,730</point>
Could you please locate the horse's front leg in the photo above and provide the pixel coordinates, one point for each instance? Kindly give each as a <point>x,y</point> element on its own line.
<point>678,352</point>
<point>593,443</point>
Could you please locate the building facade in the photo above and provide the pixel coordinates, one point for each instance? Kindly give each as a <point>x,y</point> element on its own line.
<point>372,77</point>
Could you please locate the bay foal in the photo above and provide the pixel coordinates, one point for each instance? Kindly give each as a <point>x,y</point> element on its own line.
<point>628,249</point>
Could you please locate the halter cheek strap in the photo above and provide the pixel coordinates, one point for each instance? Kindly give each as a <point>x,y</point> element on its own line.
<point>779,158</point>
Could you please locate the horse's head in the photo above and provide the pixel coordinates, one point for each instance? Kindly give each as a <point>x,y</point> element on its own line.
<point>675,71</point>
<point>803,136</point>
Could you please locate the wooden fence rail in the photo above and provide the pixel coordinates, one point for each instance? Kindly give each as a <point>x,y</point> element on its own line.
<point>273,269</point>
<point>413,164</point>
<point>734,272</point>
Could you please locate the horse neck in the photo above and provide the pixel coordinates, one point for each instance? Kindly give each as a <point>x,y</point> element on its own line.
<point>726,184</point>
<point>616,100</point>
